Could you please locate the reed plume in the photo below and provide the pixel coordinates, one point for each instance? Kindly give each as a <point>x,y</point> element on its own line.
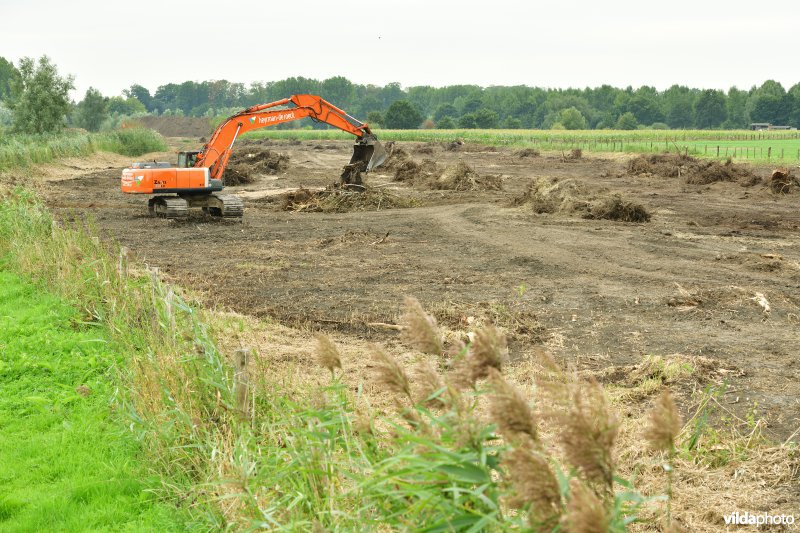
<point>390,374</point>
<point>327,353</point>
<point>585,511</point>
<point>510,410</point>
<point>535,485</point>
<point>420,329</point>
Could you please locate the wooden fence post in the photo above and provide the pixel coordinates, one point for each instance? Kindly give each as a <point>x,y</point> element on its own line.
<point>717,150</point>
<point>122,269</point>
<point>769,152</point>
<point>241,381</point>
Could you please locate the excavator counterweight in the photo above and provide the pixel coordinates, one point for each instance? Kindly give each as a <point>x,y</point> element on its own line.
<point>196,181</point>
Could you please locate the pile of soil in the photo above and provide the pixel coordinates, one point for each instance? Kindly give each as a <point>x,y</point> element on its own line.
<point>782,181</point>
<point>409,170</point>
<point>693,170</point>
<point>426,148</point>
<point>338,198</point>
<point>617,208</point>
<point>249,161</point>
<point>397,157</point>
<point>568,196</point>
<point>527,152</point>
<point>453,146</point>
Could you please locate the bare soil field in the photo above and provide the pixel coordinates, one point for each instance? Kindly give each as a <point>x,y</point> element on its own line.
<point>519,239</point>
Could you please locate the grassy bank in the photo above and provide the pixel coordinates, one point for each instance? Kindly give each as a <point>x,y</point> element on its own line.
<point>21,151</point>
<point>65,463</point>
<point>440,437</point>
<point>762,147</point>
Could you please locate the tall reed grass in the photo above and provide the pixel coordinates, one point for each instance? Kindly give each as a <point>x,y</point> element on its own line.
<point>21,151</point>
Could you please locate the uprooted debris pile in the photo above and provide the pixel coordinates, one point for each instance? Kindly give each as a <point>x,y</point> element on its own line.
<point>567,196</point>
<point>462,177</point>
<point>783,181</point>
<point>397,157</point>
<point>410,171</point>
<point>458,177</point>
<point>694,171</point>
<point>338,198</point>
<point>249,161</point>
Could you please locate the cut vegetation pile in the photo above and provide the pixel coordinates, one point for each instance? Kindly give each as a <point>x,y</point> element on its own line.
<point>250,161</point>
<point>567,196</point>
<point>694,171</point>
<point>463,177</point>
<point>341,199</point>
<point>459,177</point>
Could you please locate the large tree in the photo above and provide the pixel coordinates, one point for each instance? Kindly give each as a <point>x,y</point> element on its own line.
<point>9,75</point>
<point>679,104</point>
<point>709,109</point>
<point>572,119</point>
<point>402,115</point>
<point>141,94</point>
<point>768,103</point>
<point>92,110</point>
<point>40,99</point>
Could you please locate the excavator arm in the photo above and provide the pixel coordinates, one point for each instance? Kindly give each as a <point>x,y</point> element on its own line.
<point>215,154</point>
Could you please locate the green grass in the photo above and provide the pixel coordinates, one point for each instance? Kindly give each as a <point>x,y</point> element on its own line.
<point>741,145</point>
<point>22,151</point>
<point>65,463</point>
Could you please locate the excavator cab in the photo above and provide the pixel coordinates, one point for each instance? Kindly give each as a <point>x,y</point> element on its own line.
<point>187,159</point>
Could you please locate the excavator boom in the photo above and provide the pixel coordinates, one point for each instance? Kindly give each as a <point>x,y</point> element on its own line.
<point>217,151</point>
<point>198,176</point>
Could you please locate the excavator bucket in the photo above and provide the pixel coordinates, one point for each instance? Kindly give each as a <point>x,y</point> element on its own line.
<point>369,153</point>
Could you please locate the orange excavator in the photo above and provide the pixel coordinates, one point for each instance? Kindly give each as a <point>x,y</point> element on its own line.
<point>196,181</point>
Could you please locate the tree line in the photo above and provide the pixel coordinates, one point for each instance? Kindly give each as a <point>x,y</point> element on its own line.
<point>393,106</point>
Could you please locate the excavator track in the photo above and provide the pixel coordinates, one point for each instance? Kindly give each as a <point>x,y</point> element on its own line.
<point>232,206</point>
<point>168,207</point>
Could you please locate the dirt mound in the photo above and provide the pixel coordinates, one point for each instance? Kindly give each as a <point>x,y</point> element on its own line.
<point>568,196</point>
<point>463,177</point>
<point>453,146</point>
<point>426,148</point>
<point>397,158</point>
<point>617,208</point>
<point>459,177</point>
<point>782,181</point>
<point>411,171</point>
<point>527,152</point>
<point>694,171</point>
<point>249,161</point>
<point>342,198</point>
<point>178,126</point>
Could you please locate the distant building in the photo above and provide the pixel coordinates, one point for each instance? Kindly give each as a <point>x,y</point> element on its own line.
<point>758,126</point>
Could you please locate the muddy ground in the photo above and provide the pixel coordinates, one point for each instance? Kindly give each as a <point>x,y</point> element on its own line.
<point>714,273</point>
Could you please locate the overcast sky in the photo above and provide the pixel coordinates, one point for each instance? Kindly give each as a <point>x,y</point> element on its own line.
<point>705,44</point>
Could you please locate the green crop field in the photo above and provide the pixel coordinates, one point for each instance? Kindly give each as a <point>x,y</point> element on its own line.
<point>65,464</point>
<point>779,147</point>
